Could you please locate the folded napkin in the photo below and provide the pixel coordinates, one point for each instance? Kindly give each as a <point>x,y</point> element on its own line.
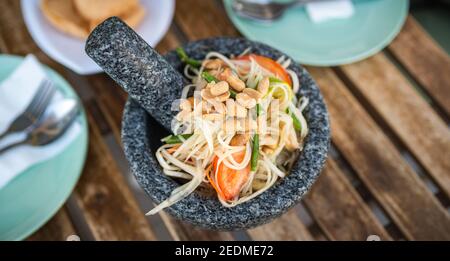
<point>16,92</point>
<point>322,11</point>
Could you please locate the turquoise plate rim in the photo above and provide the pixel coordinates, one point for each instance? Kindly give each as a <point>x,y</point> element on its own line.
<point>329,62</point>
<point>31,226</point>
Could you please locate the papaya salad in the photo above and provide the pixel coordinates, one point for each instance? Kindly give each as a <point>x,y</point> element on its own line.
<point>239,127</point>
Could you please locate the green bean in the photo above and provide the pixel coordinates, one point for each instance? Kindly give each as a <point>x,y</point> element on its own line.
<point>258,109</point>
<point>255,153</point>
<point>295,121</point>
<point>173,139</point>
<point>233,94</point>
<point>185,58</point>
<point>255,145</point>
<point>209,78</point>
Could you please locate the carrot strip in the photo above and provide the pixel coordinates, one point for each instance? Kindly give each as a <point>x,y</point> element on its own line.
<point>173,149</point>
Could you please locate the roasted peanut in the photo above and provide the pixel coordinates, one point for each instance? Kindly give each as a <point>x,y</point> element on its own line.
<point>263,85</point>
<point>200,84</point>
<point>270,141</point>
<point>223,97</point>
<point>191,101</point>
<point>185,105</point>
<point>253,94</point>
<point>183,115</point>
<point>240,139</point>
<point>214,73</point>
<point>232,79</point>
<point>267,150</point>
<point>213,64</point>
<point>219,88</point>
<point>218,106</point>
<point>206,94</point>
<point>245,100</point>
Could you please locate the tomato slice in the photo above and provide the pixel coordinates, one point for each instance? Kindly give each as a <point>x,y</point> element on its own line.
<point>230,181</point>
<point>270,65</point>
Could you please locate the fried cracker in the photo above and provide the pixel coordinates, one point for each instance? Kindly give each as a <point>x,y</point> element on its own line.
<point>132,18</point>
<point>99,10</point>
<point>62,14</point>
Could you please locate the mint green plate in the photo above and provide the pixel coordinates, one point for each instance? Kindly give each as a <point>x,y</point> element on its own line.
<point>35,195</point>
<point>373,26</point>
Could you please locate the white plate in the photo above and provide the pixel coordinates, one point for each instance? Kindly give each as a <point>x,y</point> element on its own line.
<point>69,50</point>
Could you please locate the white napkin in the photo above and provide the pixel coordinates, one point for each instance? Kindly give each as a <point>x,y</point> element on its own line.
<point>16,92</point>
<point>320,11</point>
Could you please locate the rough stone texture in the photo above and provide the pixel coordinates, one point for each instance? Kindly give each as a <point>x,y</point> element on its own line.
<point>135,71</point>
<point>141,71</point>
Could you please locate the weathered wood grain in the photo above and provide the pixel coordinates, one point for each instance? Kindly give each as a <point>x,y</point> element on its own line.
<point>379,165</point>
<point>110,99</point>
<point>181,231</point>
<point>207,19</point>
<point>58,228</point>
<point>286,227</point>
<point>169,42</point>
<point>370,153</point>
<point>417,125</point>
<point>427,62</point>
<point>339,210</point>
<point>107,203</point>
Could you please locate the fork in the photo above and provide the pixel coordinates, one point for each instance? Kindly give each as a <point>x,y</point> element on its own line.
<point>34,110</point>
<point>265,11</point>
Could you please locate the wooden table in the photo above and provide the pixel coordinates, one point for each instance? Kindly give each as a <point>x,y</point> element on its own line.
<point>388,172</point>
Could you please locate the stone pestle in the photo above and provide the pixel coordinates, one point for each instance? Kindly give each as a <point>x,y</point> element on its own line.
<point>140,70</point>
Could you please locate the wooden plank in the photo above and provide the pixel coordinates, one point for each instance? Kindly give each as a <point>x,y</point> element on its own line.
<point>111,101</point>
<point>338,208</point>
<point>406,112</point>
<point>109,207</point>
<point>427,62</point>
<point>207,19</point>
<point>106,201</point>
<point>181,231</point>
<point>169,42</point>
<point>379,165</point>
<point>13,33</point>
<point>58,228</point>
<point>286,227</point>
